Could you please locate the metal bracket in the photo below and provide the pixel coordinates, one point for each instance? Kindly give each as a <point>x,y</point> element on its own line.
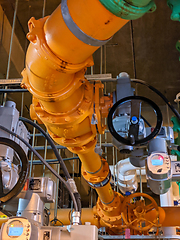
<point>76,30</point>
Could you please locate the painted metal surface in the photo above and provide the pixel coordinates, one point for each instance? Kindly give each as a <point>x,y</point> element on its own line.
<point>130,10</point>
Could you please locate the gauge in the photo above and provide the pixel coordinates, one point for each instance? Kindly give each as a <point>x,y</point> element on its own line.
<point>15,229</point>
<point>157,160</point>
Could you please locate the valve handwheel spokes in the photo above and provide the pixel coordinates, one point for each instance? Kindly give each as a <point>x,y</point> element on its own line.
<point>135,212</point>
<point>122,108</point>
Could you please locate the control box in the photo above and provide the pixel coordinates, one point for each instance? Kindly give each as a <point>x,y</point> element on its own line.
<point>158,171</point>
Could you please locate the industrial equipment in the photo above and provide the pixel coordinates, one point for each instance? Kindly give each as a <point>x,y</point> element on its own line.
<point>32,222</point>
<point>73,111</point>
<point>159,172</point>
<point>134,132</point>
<point>23,229</point>
<point>13,162</point>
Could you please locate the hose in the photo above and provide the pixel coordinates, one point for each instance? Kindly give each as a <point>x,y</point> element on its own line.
<point>59,158</point>
<point>46,164</point>
<point>160,94</point>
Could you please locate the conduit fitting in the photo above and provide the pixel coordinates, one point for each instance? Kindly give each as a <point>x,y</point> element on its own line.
<point>126,9</point>
<point>37,37</point>
<point>76,218</point>
<point>72,185</point>
<point>111,215</point>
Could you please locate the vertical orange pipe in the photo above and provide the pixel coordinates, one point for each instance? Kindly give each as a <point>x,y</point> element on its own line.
<point>56,61</point>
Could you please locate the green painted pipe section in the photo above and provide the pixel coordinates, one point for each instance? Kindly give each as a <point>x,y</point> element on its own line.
<point>175,7</point>
<point>176,128</point>
<point>178,46</point>
<point>129,9</point>
<point>138,3</point>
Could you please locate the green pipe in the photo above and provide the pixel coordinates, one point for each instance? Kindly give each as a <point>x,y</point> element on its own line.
<point>176,128</point>
<point>175,7</point>
<point>138,3</point>
<point>129,9</point>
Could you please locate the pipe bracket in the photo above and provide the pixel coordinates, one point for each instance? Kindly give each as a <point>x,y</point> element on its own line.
<point>100,184</point>
<point>76,30</point>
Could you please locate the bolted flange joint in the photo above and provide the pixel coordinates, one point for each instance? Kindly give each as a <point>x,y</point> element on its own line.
<point>100,178</point>
<point>111,215</point>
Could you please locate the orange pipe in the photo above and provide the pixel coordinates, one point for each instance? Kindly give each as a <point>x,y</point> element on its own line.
<point>92,18</point>
<point>62,98</point>
<point>87,215</point>
<point>168,216</point>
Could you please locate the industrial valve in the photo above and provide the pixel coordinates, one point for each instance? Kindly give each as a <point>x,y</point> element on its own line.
<point>14,164</point>
<point>132,134</point>
<point>136,212</point>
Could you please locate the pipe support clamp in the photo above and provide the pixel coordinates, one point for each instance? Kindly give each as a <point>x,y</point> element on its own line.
<point>100,184</point>
<point>76,30</point>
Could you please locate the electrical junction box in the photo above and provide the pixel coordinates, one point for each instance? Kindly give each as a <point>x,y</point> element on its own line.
<point>19,228</point>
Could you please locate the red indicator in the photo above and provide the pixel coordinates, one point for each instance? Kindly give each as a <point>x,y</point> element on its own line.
<point>152,129</point>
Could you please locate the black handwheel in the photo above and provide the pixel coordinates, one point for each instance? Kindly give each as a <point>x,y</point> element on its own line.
<point>23,174</point>
<point>133,103</point>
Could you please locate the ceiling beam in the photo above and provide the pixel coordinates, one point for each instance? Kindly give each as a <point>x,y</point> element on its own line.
<point>17,56</point>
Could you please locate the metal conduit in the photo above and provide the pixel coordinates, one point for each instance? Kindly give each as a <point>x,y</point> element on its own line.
<point>10,48</point>
<point>52,161</point>
<point>32,154</point>
<point>45,155</point>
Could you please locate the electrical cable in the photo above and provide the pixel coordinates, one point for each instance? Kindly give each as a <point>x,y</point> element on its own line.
<point>23,173</point>
<point>59,158</point>
<point>149,125</point>
<point>160,94</point>
<point>78,200</point>
<point>46,164</point>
